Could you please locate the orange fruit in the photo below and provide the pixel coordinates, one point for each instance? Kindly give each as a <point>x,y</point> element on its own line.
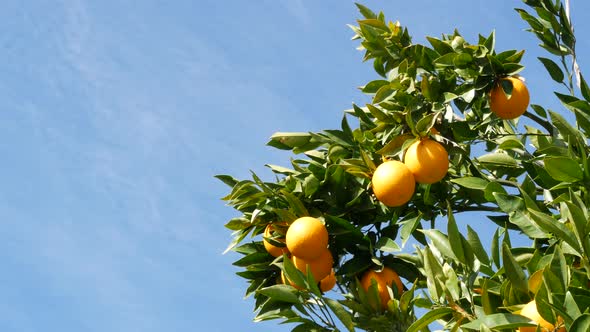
<point>275,251</point>
<point>320,267</point>
<point>530,312</point>
<point>384,278</point>
<point>307,238</point>
<point>328,282</point>
<point>513,107</point>
<point>427,160</point>
<point>393,183</point>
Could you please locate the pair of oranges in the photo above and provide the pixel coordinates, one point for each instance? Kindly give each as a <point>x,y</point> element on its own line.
<point>306,240</point>
<point>426,161</point>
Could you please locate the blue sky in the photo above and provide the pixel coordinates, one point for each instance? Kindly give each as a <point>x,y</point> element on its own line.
<point>117,114</point>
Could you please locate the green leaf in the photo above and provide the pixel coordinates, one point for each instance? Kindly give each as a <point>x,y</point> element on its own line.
<point>530,19</point>
<point>557,271</point>
<point>471,182</point>
<point>295,204</point>
<point>498,322</point>
<point>581,324</point>
<point>237,223</point>
<point>421,323</point>
<point>526,225</point>
<point>292,273</point>
<point>424,124</point>
<point>355,265</point>
<point>281,293</point>
<point>291,140</point>
<point>462,60</point>
<point>584,88</point>
<point>440,241</point>
<point>571,306</point>
<point>254,258</point>
<point>513,271</point>
<point>280,169</point>
<point>539,110</point>
<point>384,93</point>
<point>556,228</point>
<point>446,60</point>
<point>434,275</point>
<point>495,159</point>
<point>343,315</point>
<point>230,181</point>
<point>455,238</point>
<point>363,117</point>
<point>374,23</point>
<point>496,248</point>
<point>563,169</point>
<point>408,227</point>
<point>507,87</point>
<point>378,114</point>
<point>553,69</point>
<point>578,219</point>
<point>508,203</point>
<point>491,189</point>
<point>374,86</point>
<point>477,246</point>
<point>440,46</point>
<point>386,244</point>
<point>366,12</point>
<point>490,42</point>
<point>310,185</point>
<point>566,130</point>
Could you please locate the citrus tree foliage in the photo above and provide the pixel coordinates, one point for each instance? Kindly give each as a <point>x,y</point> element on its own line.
<point>530,176</point>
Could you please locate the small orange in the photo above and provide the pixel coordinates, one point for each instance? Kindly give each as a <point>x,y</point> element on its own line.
<point>384,278</point>
<point>530,312</point>
<point>320,267</point>
<point>427,160</point>
<point>307,238</point>
<point>328,282</point>
<point>513,107</point>
<point>272,249</point>
<point>393,183</point>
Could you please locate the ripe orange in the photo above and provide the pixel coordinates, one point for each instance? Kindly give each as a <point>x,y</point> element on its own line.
<point>530,311</point>
<point>272,249</point>
<point>513,107</point>
<point>320,267</point>
<point>328,282</point>
<point>427,160</point>
<point>307,238</point>
<point>384,278</point>
<point>393,183</point>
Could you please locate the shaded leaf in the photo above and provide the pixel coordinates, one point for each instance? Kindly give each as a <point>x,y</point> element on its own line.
<point>553,69</point>
<point>432,315</point>
<point>386,244</point>
<point>282,293</point>
<point>513,271</point>
<point>343,315</point>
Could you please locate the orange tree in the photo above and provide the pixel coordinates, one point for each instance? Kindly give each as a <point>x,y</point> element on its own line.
<point>452,102</point>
